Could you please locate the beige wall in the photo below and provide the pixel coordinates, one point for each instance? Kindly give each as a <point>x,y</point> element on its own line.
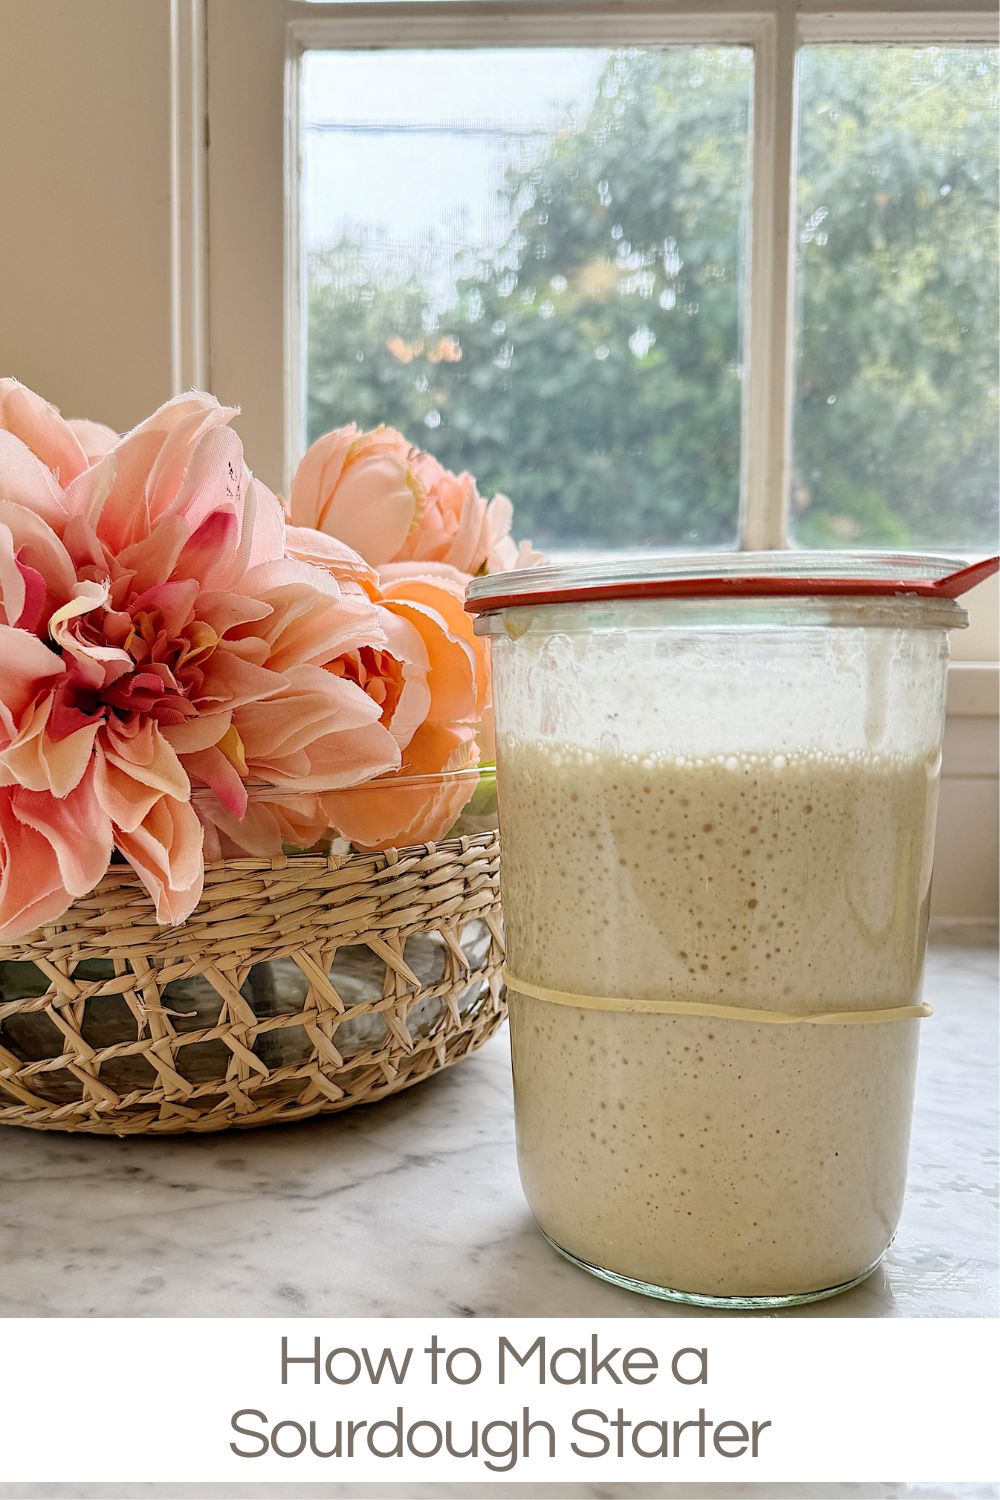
<point>85,184</point>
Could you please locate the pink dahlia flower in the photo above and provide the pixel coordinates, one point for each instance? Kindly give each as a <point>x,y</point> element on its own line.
<point>95,438</point>
<point>155,638</point>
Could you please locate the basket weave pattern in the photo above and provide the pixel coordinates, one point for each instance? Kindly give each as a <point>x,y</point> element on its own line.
<point>297,987</point>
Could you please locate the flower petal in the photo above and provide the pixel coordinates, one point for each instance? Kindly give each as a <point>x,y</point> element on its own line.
<point>95,438</point>
<point>318,474</point>
<point>331,554</point>
<point>25,480</point>
<point>404,642</point>
<point>37,545</point>
<point>77,828</point>
<point>319,732</point>
<point>45,762</point>
<point>42,428</point>
<point>32,891</point>
<point>269,824</point>
<point>97,664</point>
<point>457,676</point>
<point>361,488</point>
<point>225,779</point>
<point>25,665</point>
<point>389,813</point>
<point>263,536</point>
<point>165,851</point>
<point>133,771</point>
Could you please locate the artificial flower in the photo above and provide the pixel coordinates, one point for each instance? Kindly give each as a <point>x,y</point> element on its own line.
<point>432,681</point>
<point>40,453</point>
<point>453,525</point>
<point>360,487</point>
<point>417,805</point>
<point>155,638</point>
<point>185,676</point>
<point>394,503</point>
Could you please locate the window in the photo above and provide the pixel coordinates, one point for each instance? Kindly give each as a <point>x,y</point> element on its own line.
<point>404,163</point>
<point>670,276</point>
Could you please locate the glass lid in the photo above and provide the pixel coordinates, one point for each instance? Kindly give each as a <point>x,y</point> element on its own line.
<point>736,574</point>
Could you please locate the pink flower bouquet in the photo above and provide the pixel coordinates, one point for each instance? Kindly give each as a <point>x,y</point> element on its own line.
<point>188,673</point>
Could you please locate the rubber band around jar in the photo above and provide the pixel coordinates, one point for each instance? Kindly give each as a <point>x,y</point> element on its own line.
<point>722,1012</point>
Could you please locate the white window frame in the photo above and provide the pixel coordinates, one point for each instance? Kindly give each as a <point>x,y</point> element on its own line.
<point>238,312</point>
<point>254,340</point>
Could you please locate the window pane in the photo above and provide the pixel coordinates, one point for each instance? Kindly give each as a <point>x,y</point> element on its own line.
<point>895,434</point>
<point>531,263</point>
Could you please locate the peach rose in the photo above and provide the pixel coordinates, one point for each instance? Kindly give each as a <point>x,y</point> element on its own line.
<point>428,598</point>
<point>361,487</point>
<point>453,525</point>
<point>392,503</point>
<point>391,668</point>
<point>390,813</point>
<point>431,682</point>
<point>431,597</point>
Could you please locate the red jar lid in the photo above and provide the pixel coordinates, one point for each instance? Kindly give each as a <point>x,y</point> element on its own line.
<point>737,575</point>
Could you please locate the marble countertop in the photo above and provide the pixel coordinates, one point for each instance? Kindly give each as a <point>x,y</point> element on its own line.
<point>499,1490</point>
<point>413,1207</point>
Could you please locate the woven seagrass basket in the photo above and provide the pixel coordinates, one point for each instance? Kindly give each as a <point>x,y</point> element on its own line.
<point>297,987</point>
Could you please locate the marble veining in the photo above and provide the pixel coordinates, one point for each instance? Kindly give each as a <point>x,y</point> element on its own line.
<point>413,1207</point>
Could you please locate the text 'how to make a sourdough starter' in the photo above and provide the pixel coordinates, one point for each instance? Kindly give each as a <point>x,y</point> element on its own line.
<point>498,1440</point>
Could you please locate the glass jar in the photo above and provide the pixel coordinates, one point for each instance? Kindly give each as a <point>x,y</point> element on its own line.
<point>717,803</point>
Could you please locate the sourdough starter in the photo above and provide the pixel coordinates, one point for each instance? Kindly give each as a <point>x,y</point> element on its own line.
<point>709,1155</point>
